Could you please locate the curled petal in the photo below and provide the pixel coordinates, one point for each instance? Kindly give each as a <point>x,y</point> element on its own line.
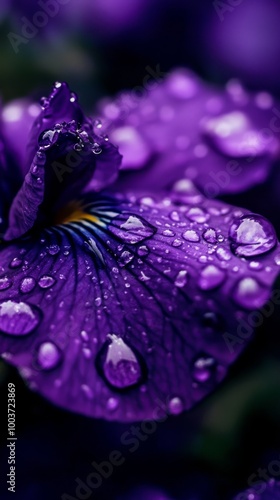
<point>70,158</point>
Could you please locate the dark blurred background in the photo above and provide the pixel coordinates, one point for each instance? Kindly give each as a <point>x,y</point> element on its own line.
<point>101,47</point>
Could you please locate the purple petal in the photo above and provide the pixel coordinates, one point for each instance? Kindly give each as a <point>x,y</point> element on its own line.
<point>115,314</point>
<point>70,158</point>
<point>61,106</point>
<point>224,140</point>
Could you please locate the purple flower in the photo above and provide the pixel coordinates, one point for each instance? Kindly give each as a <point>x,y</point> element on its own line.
<point>180,127</point>
<point>123,306</point>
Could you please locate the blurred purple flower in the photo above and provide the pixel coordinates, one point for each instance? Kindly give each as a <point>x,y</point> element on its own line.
<point>244,40</point>
<point>116,305</point>
<point>225,141</point>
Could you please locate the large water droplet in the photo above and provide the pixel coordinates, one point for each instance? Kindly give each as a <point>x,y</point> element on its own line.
<point>121,367</point>
<point>191,235</point>
<point>203,368</point>
<point>250,294</point>
<point>48,356</point>
<point>18,318</point>
<point>27,284</point>
<point>211,277</point>
<point>131,229</point>
<point>252,235</point>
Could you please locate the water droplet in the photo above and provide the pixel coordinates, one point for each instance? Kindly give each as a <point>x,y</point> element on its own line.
<point>84,335</point>
<point>40,160</point>
<point>174,215</point>
<point>210,235</point>
<point>177,242</point>
<point>142,251</point>
<point>125,258</point>
<point>46,281</point>
<point>143,277</point>
<point>223,254</point>
<point>168,232</point>
<point>16,262</point>
<point>87,391</point>
<point>197,214</point>
<point>18,318</point>
<point>131,229</point>
<point>252,235</point>
<point>44,102</point>
<point>112,404</point>
<point>73,97</point>
<point>175,406</point>
<point>212,322</point>
<point>191,235</point>
<point>48,356</point>
<point>250,294</point>
<point>121,367</point>
<point>53,249</point>
<point>98,123</point>
<point>181,279</point>
<point>96,148</point>
<point>5,283</point>
<point>48,138</point>
<point>98,301</point>
<point>203,368</point>
<point>211,277</point>
<point>277,259</point>
<point>27,284</point>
